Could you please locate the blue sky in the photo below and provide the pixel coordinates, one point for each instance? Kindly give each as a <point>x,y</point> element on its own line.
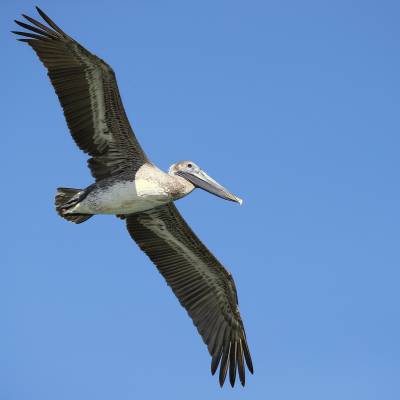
<point>292,105</point>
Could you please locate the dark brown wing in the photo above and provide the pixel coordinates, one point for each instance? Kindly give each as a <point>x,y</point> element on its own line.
<point>88,92</point>
<point>201,284</point>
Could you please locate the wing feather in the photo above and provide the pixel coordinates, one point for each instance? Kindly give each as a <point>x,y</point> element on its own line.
<point>202,285</point>
<point>88,92</point>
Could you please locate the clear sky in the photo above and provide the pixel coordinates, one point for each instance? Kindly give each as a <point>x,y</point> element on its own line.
<point>294,106</point>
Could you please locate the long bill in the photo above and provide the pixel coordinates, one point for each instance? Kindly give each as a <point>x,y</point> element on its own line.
<point>201,180</point>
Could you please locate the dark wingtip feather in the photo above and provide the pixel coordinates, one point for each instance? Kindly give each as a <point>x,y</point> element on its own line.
<point>233,363</point>
<point>39,25</point>
<point>223,369</point>
<point>215,361</point>
<point>240,365</point>
<point>34,29</point>
<point>18,33</point>
<point>22,24</point>
<point>27,34</point>
<point>49,20</point>
<point>247,355</point>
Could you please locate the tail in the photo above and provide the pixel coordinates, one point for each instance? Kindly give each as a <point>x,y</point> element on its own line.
<point>68,198</point>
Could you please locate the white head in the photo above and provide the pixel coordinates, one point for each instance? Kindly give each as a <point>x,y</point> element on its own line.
<point>195,175</point>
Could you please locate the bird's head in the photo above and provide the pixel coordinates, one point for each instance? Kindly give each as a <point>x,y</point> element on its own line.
<point>195,175</point>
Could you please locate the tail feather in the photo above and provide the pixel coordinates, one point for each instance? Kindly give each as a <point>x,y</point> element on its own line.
<point>66,198</point>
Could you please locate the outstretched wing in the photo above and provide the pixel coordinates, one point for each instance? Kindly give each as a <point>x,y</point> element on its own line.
<point>202,285</point>
<point>88,92</point>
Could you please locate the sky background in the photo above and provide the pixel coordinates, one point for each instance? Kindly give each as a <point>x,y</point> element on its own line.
<point>292,105</point>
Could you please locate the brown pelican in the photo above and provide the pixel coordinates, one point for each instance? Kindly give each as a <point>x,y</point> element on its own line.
<point>128,185</point>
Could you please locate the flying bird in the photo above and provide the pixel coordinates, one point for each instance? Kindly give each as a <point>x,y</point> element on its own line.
<point>128,185</point>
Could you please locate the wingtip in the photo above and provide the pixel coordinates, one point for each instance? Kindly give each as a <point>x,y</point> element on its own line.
<point>222,374</point>
<point>250,366</point>
<point>41,13</point>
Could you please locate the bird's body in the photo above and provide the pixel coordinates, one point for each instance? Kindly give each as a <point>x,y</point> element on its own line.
<point>122,195</point>
<point>128,185</point>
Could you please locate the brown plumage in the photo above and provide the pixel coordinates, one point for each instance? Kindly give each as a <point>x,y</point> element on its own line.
<point>87,89</point>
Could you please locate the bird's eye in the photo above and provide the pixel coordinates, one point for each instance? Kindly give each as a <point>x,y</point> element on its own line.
<point>189,165</point>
